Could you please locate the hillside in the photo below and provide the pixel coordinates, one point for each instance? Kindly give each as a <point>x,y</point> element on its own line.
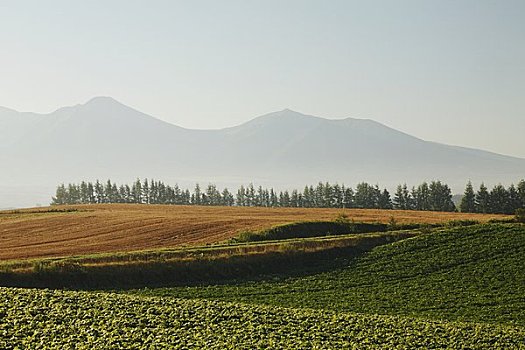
<point>106,139</point>
<point>469,274</point>
<point>87,229</point>
<point>455,287</point>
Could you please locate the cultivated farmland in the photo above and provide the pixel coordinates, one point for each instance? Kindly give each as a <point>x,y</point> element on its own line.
<point>80,320</point>
<point>88,229</point>
<point>474,274</point>
<point>408,286</point>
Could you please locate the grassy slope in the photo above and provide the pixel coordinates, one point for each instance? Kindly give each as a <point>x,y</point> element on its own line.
<point>471,274</point>
<point>192,265</point>
<point>82,320</point>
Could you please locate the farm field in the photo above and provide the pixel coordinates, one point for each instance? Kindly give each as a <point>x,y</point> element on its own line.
<point>471,274</point>
<point>88,229</point>
<point>458,287</point>
<point>449,286</point>
<point>82,320</point>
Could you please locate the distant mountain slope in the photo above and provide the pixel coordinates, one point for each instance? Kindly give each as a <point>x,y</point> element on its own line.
<point>106,139</point>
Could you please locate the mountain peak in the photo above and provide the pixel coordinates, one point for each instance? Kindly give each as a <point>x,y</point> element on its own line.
<point>102,100</point>
<point>286,113</point>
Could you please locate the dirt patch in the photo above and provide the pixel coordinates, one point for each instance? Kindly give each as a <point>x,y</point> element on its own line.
<point>87,229</point>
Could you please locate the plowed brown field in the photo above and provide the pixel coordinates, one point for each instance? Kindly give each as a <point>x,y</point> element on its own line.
<point>88,229</point>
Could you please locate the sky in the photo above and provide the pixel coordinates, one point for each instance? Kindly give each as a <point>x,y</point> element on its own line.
<point>445,71</point>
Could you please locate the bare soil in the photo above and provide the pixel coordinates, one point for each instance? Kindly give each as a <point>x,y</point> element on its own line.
<point>88,229</point>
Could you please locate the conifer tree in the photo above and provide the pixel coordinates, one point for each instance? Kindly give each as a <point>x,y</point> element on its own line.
<point>348,201</point>
<point>197,195</point>
<point>60,197</point>
<point>402,199</point>
<point>468,202</point>
<point>385,201</point>
<point>482,200</point>
<point>99,192</point>
<point>514,200</point>
<point>136,192</point>
<point>521,193</point>
<point>241,197</point>
<point>498,200</point>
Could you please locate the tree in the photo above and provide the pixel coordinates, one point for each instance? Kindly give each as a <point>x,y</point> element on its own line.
<point>227,198</point>
<point>468,202</point>
<point>241,197</point>
<point>250,195</point>
<point>482,199</point>
<point>60,197</point>
<point>521,193</point>
<point>514,200</point>
<point>197,195</point>
<point>421,197</point>
<point>213,195</point>
<point>145,192</point>
<point>348,198</point>
<point>384,200</point>
<point>84,193</point>
<point>274,201</point>
<point>295,199</point>
<point>498,200</point>
<point>99,192</point>
<point>284,199</point>
<point>366,196</point>
<point>441,197</point>
<point>91,193</point>
<point>402,198</point>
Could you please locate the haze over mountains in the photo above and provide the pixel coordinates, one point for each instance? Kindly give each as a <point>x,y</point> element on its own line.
<point>106,139</point>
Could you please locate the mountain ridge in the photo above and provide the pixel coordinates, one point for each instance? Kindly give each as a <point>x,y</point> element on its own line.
<point>104,138</point>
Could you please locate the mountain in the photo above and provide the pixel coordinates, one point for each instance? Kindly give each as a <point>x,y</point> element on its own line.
<point>106,139</point>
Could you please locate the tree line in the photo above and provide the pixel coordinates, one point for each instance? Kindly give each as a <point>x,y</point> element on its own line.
<point>434,196</point>
<point>499,200</point>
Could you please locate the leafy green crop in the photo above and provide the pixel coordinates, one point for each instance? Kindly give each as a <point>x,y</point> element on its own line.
<point>83,320</point>
<point>472,273</point>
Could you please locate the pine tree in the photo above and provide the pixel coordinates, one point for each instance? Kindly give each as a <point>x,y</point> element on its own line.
<point>274,201</point>
<point>241,197</point>
<point>498,200</point>
<point>402,198</point>
<point>136,192</point>
<point>521,193</point>
<point>197,195</point>
<point>514,200</point>
<point>482,200</point>
<point>384,200</point>
<point>99,192</point>
<point>348,201</point>
<point>84,193</point>
<point>468,202</point>
<point>365,196</point>
<point>250,195</point>
<point>60,197</point>
<point>91,193</point>
<point>227,198</point>
<point>441,197</point>
<point>421,197</point>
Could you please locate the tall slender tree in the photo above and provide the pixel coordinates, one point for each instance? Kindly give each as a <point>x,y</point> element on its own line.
<point>468,202</point>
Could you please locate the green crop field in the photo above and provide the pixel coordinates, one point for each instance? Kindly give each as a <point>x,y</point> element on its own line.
<point>446,287</point>
<point>82,320</point>
<point>474,273</point>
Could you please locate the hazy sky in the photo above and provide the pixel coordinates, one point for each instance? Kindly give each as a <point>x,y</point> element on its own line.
<point>446,71</point>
